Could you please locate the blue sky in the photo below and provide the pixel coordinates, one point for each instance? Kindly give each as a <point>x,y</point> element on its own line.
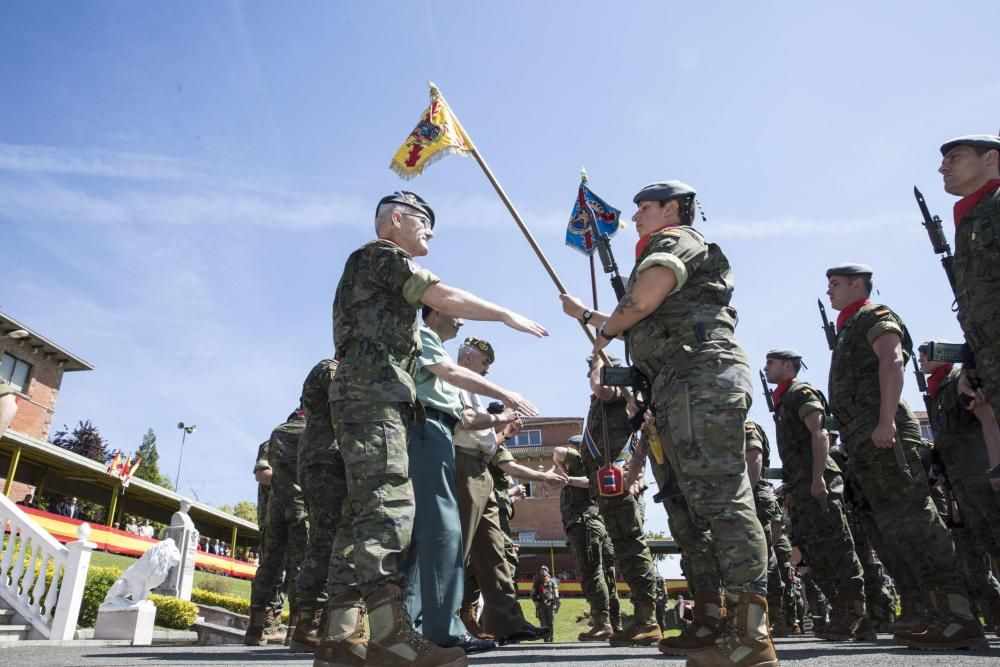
<point>180,183</point>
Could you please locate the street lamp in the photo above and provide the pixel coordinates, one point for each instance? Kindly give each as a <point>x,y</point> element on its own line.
<point>186,429</point>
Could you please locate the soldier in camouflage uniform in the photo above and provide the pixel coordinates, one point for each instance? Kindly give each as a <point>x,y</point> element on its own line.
<point>815,488</point>
<point>274,631</point>
<point>545,595</point>
<point>372,407</point>
<point>286,529</point>
<point>324,485</point>
<point>587,537</point>
<point>607,428</point>
<point>971,170</point>
<point>882,435</point>
<point>681,329</point>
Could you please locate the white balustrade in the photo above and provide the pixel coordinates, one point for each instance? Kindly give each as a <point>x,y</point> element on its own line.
<point>27,553</point>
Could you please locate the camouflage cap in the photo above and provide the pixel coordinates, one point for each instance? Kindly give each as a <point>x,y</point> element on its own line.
<point>850,270</point>
<point>407,198</point>
<point>575,440</point>
<point>483,346</point>
<point>663,191</point>
<point>976,140</point>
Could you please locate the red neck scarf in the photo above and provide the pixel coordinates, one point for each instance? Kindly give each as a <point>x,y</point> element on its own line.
<point>936,378</point>
<point>780,390</point>
<point>643,241</point>
<point>965,205</point>
<point>850,311</point>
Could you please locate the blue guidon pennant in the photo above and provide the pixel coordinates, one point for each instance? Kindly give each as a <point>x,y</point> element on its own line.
<point>591,215</point>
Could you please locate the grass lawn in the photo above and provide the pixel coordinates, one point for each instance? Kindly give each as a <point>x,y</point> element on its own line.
<point>567,627</point>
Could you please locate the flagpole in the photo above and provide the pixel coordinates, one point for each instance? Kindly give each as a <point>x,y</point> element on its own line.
<point>593,280</point>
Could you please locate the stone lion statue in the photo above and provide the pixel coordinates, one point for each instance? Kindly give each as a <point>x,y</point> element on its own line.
<point>147,573</point>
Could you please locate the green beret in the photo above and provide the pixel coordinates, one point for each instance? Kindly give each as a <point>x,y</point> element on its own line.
<point>976,140</point>
<point>850,270</point>
<point>483,346</point>
<point>664,191</point>
<point>407,198</point>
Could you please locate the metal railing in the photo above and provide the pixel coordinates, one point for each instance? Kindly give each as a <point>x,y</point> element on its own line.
<point>40,579</point>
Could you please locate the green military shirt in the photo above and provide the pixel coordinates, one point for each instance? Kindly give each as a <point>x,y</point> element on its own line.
<point>854,383</point>
<point>318,444</point>
<point>283,452</point>
<point>977,268</point>
<point>575,504</point>
<point>958,435</point>
<point>619,434</point>
<point>501,480</point>
<point>375,324</point>
<point>794,439</point>
<point>696,315</point>
<point>765,502</point>
<point>432,390</point>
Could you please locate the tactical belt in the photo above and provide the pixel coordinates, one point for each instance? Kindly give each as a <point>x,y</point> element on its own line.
<point>446,419</point>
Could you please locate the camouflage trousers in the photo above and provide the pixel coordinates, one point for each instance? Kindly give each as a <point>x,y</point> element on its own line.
<point>699,556</point>
<point>377,519</point>
<point>595,560</point>
<point>976,500</point>
<point>869,543</point>
<point>828,544</point>
<point>284,549</point>
<point>984,339</point>
<point>623,518</point>
<point>901,506</point>
<point>769,513</point>
<point>702,428</point>
<point>325,488</point>
<point>783,572</point>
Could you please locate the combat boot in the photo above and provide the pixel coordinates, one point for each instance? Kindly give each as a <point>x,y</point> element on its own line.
<point>344,643</point>
<point>913,618</point>
<point>600,629</point>
<point>274,631</point>
<point>779,627</point>
<point>306,636</point>
<point>394,643</point>
<point>953,627</point>
<point>848,613</point>
<point>255,629</point>
<point>705,627</point>
<point>616,619</point>
<point>643,631</point>
<point>745,641</point>
<point>469,614</point>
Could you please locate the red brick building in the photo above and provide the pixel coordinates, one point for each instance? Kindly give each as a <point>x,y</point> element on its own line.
<point>35,366</point>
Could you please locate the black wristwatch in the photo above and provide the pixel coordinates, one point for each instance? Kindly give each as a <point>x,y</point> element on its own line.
<point>587,314</point>
<point>605,334</point>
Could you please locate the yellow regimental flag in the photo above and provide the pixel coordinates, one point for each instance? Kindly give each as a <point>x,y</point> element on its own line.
<point>437,134</point>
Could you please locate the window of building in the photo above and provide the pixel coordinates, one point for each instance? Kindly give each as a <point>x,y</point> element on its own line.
<point>526,439</point>
<point>527,536</point>
<point>926,433</point>
<point>528,491</point>
<point>15,371</point>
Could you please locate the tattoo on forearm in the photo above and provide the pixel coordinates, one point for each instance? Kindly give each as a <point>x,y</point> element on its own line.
<point>628,301</point>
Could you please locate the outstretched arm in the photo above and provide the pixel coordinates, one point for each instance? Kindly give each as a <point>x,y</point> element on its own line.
<point>459,303</point>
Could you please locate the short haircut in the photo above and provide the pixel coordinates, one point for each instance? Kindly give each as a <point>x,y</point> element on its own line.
<point>796,364</point>
<point>384,213</point>
<point>426,311</point>
<point>866,278</point>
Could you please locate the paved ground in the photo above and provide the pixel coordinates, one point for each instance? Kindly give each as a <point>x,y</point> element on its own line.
<point>791,652</point>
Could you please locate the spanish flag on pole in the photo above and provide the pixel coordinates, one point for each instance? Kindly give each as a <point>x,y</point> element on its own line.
<point>436,135</point>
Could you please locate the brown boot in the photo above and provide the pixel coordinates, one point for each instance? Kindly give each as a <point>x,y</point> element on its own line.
<point>394,643</point>
<point>470,617</point>
<point>600,629</point>
<point>913,618</point>
<point>779,627</point>
<point>306,636</point>
<point>255,630</point>
<point>704,628</point>
<point>745,641</point>
<point>274,631</point>
<point>344,643</point>
<point>953,627</point>
<point>848,613</point>
<point>643,631</point>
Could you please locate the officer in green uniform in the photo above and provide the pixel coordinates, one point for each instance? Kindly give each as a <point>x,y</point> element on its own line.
<point>971,170</point>
<point>815,487</point>
<point>607,434</point>
<point>881,435</point>
<point>324,485</point>
<point>681,329</point>
<point>372,407</point>
<point>287,528</point>
<point>587,537</point>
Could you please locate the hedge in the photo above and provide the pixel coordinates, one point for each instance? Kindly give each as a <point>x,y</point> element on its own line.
<point>173,612</point>
<point>230,602</point>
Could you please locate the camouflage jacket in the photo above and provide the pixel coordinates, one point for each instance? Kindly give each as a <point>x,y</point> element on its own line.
<point>854,384</point>
<point>318,445</point>
<point>263,492</point>
<point>575,504</point>
<point>695,320</point>
<point>977,270</point>
<point>794,439</point>
<point>958,435</point>
<point>544,591</point>
<point>283,455</point>
<point>375,325</point>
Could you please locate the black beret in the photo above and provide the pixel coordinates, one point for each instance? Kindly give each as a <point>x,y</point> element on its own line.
<point>407,198</point>
<point>850,270</point>
<point>977,140</point>
<point>664,191</point>
<point>575,440</point>
<point>784,353</point>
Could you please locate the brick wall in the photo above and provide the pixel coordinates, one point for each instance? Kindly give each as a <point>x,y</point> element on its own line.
<point>34,416</point>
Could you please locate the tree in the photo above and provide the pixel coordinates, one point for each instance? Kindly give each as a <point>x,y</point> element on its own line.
<point>246,510</point>
<point>149,468</point>
<point>227,508</point>
<point>84,440</point>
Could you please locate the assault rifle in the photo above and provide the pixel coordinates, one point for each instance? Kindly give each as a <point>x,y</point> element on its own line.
<point>938,241</point>
<point>828,328</point>
<point>768,397</point>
